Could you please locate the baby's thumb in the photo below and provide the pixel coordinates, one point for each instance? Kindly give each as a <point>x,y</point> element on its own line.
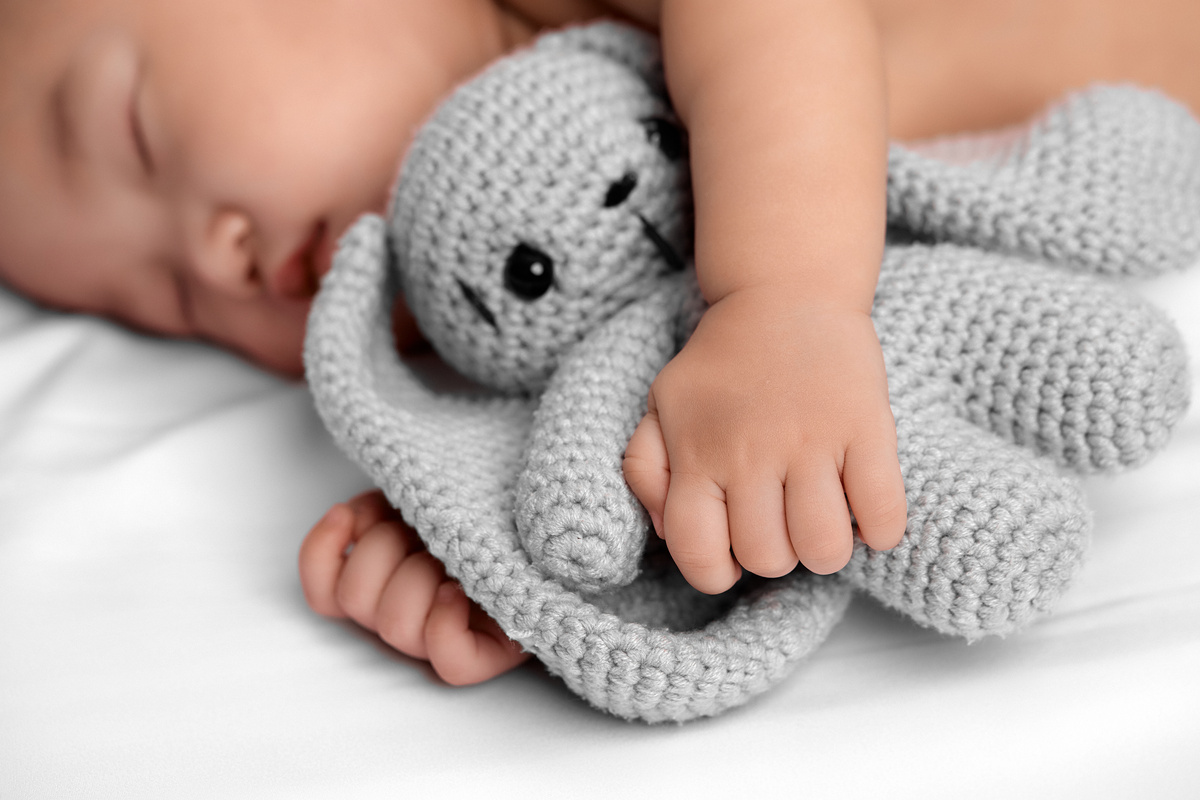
<point>646,468</point>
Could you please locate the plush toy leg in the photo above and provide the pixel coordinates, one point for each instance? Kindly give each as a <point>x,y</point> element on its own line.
<point>1107,181</point>
<point>575,514</point>
<point>1072,367</point>
<point>994,534</point>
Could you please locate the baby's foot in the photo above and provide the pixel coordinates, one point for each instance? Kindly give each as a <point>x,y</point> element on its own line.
<point>361,561</point>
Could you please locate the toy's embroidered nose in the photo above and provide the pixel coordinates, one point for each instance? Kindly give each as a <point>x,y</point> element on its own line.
<point>673,259</point>
<point>477,304</point>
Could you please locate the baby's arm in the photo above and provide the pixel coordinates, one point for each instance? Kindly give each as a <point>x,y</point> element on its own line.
<point>776,411</point>
<point>388,583</point>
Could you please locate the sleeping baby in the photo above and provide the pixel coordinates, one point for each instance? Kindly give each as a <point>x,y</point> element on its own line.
<point>188,167</point>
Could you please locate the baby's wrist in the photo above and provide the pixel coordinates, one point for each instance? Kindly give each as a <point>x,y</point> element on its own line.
<point>810,278</point>
<point>792,299</point>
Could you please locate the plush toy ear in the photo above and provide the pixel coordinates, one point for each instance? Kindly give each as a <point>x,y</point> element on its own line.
<point>625,44</point>
<point>1106,181</point>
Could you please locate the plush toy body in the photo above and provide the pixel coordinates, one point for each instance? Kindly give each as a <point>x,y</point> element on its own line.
<point>539,230</point>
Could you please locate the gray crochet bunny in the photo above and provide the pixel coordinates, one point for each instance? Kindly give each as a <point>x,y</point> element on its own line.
<point>540,233</point>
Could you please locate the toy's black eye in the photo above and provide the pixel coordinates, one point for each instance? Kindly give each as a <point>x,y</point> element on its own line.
<point>620,189</point>
<point>528,272</point>
<point>667,135</point>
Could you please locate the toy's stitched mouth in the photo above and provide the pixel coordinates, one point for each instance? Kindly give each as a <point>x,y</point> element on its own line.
<point>477,304</point>
<point>669,254</point>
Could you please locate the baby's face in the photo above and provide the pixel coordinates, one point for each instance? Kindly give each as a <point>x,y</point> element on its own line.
<point>186,166</point>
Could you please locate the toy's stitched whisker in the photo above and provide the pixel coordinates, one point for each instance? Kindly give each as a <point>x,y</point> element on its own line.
<point>669,254</point>
<point>477,304</point>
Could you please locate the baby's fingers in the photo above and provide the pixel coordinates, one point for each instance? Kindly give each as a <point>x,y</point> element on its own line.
<point>323,553</point>
<point>817,518</point>
<point>646,468</point>
<point>322,556</point>
<point>377,556</point>
<point>405,602</point>
<point>758,526</point>
<point>875,488</point>
<point>696,525</point>
<point>465,645</point>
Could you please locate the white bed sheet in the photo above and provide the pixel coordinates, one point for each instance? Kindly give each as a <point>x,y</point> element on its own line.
<point>154,642</point>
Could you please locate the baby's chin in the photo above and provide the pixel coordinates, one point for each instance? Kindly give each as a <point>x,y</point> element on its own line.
<point>286,362</point>
<point>277,348</point>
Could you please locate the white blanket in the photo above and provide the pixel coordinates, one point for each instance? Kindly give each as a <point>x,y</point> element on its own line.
<point>154,641</point>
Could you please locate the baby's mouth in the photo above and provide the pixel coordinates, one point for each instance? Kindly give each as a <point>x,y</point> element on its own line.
<point>298,277</point>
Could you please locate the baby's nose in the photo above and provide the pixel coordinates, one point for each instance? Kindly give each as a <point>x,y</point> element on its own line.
<point>222,255</point>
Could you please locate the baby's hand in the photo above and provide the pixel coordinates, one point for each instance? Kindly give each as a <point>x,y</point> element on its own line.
<point>758,432</point>
<point>388,583</point>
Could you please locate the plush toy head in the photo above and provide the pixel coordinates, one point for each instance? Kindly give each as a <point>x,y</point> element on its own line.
<point>524,216</point>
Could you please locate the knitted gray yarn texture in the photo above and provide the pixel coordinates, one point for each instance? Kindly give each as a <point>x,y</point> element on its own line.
<point>536,232</point>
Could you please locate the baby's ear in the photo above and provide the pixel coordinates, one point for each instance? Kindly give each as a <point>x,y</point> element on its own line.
<point>625,44</point>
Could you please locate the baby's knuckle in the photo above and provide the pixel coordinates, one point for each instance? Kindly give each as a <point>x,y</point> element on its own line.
<point>634,465</point>
<point>320,600</point>
<point>455,672</point>
<point>823,555</point>
<point>704,571</point>
<point>398,632</point>
<point>768,566</point>
<point>691,479</point>
<point>885,514</point>
<point>356,601</point>
<point>692,561</point>
<point>675,390</point>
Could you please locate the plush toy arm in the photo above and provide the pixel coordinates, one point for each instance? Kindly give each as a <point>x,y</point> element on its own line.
<point>1071,366</point>
<point>575,514</point>
<point>994,534</point>
<point>1107,181</point>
